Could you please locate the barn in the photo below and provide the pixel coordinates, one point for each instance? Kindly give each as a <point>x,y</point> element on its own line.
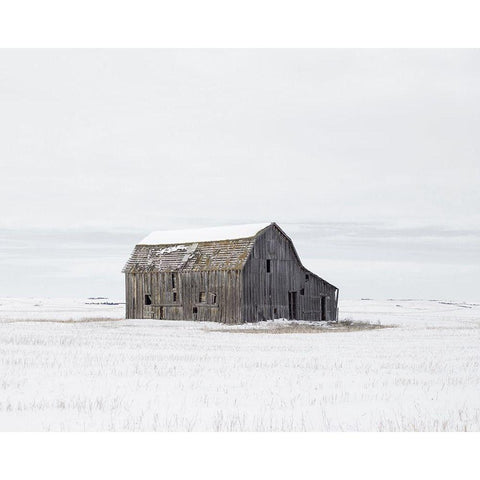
<point>235,274</point>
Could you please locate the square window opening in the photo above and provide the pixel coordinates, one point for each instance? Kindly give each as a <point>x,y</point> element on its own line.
<point>148,299</point>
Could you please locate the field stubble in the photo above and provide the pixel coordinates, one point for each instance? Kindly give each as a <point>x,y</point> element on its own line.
<point>139,375</point>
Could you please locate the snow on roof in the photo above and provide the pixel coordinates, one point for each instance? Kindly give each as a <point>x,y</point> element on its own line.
<point>232,232</point>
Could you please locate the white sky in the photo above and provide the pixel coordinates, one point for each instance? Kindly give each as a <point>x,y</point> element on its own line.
<point>369,158</point>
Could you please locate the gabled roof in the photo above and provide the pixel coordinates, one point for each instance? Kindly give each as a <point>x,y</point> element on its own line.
<point>217,248</point>
<point>203,249</point>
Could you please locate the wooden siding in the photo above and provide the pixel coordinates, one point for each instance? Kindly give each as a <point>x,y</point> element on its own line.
<point>266,295</point>
<point>225,285</point>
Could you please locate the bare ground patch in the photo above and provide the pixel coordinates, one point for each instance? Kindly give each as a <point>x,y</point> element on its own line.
<point>302,327</point>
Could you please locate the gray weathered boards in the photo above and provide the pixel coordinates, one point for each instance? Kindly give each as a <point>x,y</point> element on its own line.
<point>226,274</point>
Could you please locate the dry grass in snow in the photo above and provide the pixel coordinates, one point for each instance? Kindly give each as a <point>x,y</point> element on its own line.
<point>287,326</point>
<point>422,375</point>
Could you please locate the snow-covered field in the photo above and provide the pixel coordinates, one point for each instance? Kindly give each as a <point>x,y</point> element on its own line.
<point>58,372</point>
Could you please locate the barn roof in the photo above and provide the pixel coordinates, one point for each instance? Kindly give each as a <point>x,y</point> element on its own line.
<point>217,248</point>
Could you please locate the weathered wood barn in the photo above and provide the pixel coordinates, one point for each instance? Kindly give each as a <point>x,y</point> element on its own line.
<point>243,273</point>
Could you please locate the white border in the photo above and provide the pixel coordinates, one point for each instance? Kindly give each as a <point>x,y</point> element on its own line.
<point>246,23</point>
<point>240,456</point>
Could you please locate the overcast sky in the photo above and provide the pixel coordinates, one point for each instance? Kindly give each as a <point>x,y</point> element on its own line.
<point>368,158</point>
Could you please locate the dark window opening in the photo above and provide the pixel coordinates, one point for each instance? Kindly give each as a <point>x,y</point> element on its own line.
<point>275,311</point>
<point>302,291</point>
<point>195,309</point>
<point>324,308</point>
<point>307,277</point>
<point>268,266</point>
<point>148,299</point>
<point>213,298</point>
<point>202,297</point>
<point>173,280</point>
<point>174,296</point>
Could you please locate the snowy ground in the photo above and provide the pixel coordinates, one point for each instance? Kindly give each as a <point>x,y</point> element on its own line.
<point>58,372</point>
<point>60,309</point>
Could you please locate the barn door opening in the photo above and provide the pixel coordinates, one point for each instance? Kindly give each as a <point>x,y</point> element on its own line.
<point>324,309</point>
<point>292,305</point>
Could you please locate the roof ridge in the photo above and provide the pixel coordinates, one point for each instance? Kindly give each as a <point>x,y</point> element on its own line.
<point>204,234</point>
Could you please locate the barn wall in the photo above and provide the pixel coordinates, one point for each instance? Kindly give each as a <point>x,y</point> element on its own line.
<point>265,295</point>
<point>226,285</point>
